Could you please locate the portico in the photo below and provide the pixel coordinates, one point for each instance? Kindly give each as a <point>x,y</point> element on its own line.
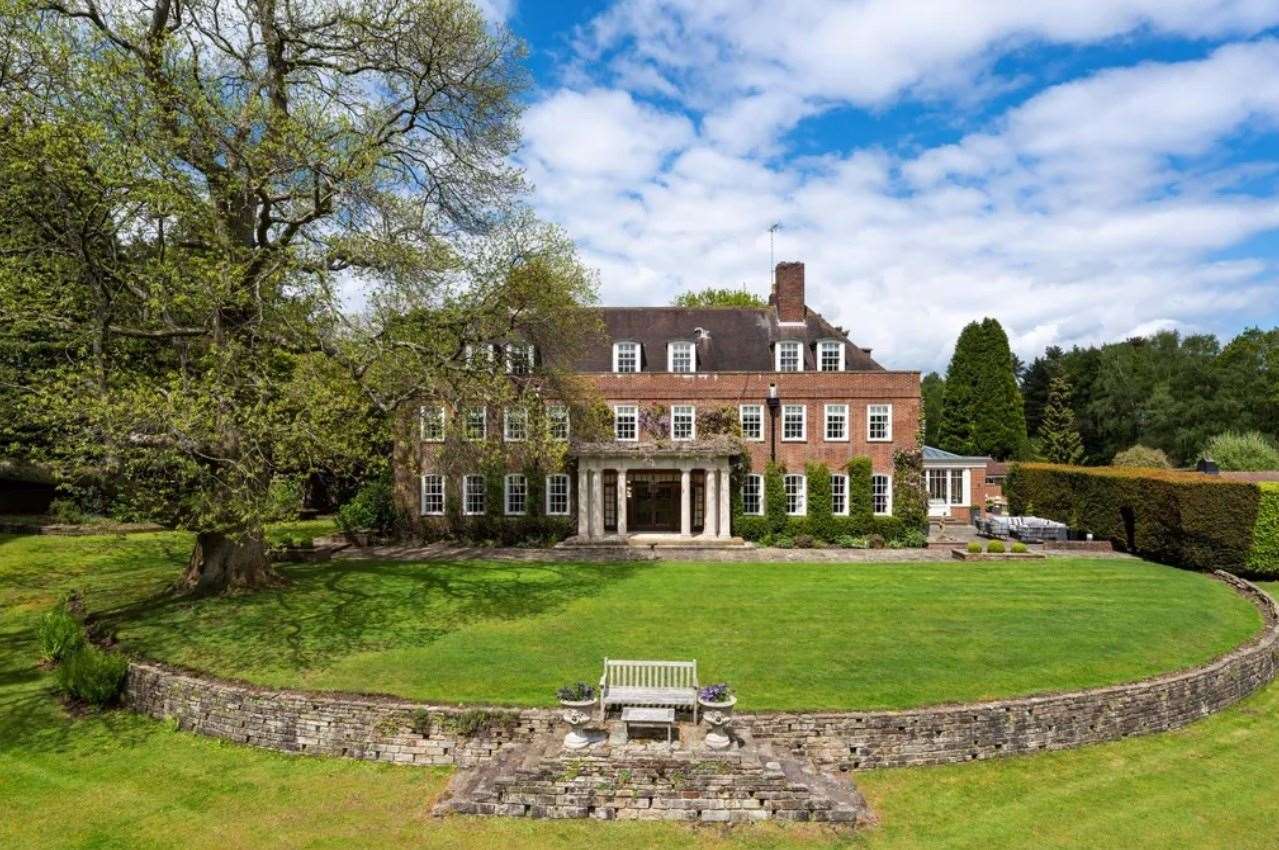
<point>680,491</point>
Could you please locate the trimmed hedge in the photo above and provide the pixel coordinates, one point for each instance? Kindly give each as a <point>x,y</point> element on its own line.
<point>1181,518</point>
<point>1264,556</point>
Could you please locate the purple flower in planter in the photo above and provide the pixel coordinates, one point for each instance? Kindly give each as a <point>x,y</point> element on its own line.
<point>720,692</point>
<point>576,692</point>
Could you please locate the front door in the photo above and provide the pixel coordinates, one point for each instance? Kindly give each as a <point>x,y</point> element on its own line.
<point>653,501</point>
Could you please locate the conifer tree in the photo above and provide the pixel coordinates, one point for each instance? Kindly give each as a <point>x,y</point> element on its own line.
<point>982,412</point>
<point>1059,440</point>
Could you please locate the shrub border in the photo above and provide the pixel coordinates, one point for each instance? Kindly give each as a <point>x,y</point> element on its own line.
<point>393,730</point>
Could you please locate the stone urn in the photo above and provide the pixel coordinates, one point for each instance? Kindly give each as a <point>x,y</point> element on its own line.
<point>724,706</point>
<point>719,737</point>
<point>577,737</point>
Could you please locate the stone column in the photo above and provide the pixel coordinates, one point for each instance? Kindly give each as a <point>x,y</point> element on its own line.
<point>597,503</point>
<point>583,501</point>
<point>710,510</point>
<point>621,502</point>
<point>685,502</point>
<point>725,502</point>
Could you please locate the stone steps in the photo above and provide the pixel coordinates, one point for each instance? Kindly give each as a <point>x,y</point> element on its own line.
<point>650,782</point>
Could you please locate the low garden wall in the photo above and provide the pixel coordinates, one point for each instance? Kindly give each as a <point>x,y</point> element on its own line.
<point>384,729</point>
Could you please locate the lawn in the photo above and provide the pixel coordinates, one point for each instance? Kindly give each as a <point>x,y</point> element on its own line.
<point>119,781</point>
<point>788,636</point>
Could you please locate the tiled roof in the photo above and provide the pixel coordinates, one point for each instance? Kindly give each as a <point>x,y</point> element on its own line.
<point>734,339</point>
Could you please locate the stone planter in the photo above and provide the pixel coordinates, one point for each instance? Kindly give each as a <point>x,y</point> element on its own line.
<point>717,716</point>
<point>577,713</point>
<point>726,707</point>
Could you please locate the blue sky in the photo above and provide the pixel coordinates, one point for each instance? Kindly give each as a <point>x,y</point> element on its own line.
<point>1083,171</point>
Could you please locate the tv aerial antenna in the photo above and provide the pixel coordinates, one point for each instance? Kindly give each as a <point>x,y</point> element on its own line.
<point>772,252</point>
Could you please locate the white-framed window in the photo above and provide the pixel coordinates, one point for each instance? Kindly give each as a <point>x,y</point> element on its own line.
<point>477,423</point>
<point>474,495</point>
<point>681,356</point>
<point>839,494</point>
<point>480,355</point>
<point>432,495</point>
<point>790,356</point>
<point>626,356</point>
<point>879,422</point>
<point>753,495</point>
<point>431,420</point>
<point>956,486</point>
<point>796,495</point>
<point>626,423</point>
<point>683,422</point>
<point>557,495</point>
<point>557,421</point>
<point>515,424</point>
<point>830,356</point>
<point>516,490</point>
<point>519,358</point>
<point>794,423</point>
<point>752,418</point>
<point>836,423</point>
<point>881,494</point>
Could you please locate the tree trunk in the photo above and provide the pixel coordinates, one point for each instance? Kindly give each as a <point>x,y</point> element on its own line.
<point>220,563</point>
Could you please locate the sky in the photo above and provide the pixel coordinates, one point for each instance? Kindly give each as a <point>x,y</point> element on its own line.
<point>1083,171</point>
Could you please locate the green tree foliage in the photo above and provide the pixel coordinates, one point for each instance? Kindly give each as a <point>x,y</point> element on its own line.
<point>1059,440</point>
<point>1166,391</point>
<point>933,390</point>
<point>1142,457</point>
<point>1247,451</point>
<point>192,192</point>
<point>1034,386</point>
<point>713,297</point>
<point>1247,375</point>
<point>982,411</point>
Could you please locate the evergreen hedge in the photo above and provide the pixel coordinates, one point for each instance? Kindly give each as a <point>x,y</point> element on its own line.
<point>1263,558</point>
<point>1182,518</point>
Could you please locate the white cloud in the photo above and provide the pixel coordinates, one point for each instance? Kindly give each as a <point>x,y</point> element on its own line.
<point>1091,210</point>
<point>497,11</point>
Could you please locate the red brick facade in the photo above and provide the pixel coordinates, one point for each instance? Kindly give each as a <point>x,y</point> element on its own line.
<point>813,389</point>
<point>728,358</point>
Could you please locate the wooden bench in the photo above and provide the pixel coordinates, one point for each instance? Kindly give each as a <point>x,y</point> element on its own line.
<point>665,684</point>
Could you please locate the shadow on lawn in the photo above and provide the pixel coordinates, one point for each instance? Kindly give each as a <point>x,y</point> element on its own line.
<point>338,608</point>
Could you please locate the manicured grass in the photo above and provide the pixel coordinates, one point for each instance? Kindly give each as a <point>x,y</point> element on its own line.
<point>787,636</point>
<point>118,781</point>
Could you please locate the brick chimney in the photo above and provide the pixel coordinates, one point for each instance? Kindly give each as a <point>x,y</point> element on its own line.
<point>788,292</point>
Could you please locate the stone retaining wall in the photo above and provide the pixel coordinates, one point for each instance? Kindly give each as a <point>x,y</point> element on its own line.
<point>859,740</point>
<point>350,725</point>
<point>383,729</point>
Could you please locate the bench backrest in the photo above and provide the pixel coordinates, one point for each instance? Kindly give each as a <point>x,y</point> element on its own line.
<point>650,674</point>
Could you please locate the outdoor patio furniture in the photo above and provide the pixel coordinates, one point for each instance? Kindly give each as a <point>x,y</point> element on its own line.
<point>662,684</point>
<point>653,717</point>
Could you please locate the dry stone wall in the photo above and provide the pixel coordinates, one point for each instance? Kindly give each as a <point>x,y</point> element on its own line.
<point>361,727</point>
<point>858,740</point>
<point>383,729</point>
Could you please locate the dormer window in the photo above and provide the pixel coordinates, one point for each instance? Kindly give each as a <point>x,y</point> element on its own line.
<point>519,358</point>
<point>830,356</point>
<point>790,356</point>
<point>681,356</point>
<point>626,356</point>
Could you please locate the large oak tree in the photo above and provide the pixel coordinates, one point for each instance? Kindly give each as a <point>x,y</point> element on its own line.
<point>249,225</point>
